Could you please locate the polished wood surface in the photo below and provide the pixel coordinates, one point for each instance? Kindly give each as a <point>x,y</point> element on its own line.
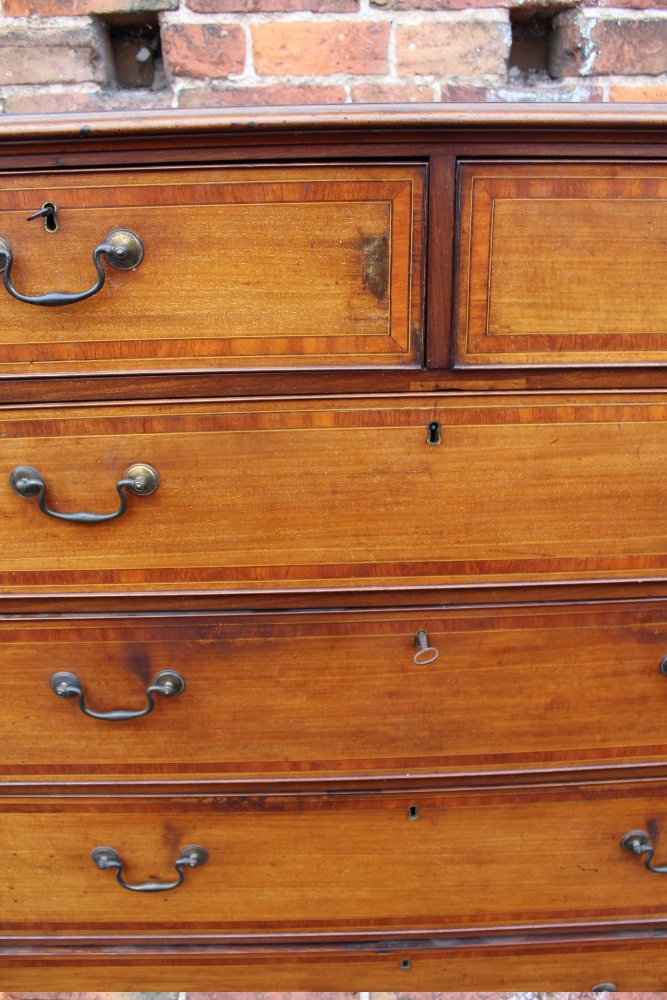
<point>554,260</point>
<point>258,268</point>
<point>637,962</point>
<point>474,860</point>
<point>263,693</point>
<point>90,129</point>
<point>264,495</point>
<point>362,814</point>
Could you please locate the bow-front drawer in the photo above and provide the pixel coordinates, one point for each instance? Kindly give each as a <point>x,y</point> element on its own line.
<point>556,962</point>
<point>293,696</point>
<point>345,494</point>
<point>349,862</point>
<point>226,268</point>
<point>562,263</point>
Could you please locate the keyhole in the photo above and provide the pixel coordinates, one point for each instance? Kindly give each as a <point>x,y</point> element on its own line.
<point>50,221</point>
<point>405,963</point>
<point>434,434</point>
<point>48,213</point>
<point>413,812</point>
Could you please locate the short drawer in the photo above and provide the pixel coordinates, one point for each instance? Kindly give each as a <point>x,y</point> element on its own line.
<point>352,495</point>
<point>267,267</point>
<point>628,962</point>
<point>505,858</point>
<point>285,696</point>
<point>562,263</point>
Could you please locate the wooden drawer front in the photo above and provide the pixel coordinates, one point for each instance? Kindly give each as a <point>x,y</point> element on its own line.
<point>506,858</point>
<point>343,494</point>
<point>285,695</point>
<point>562,263</point>
<point>260,268</point>
<point>630,963</point>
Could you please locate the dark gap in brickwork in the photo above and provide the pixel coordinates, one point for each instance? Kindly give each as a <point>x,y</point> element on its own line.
<point>533,37</point>
<point>136,50</point>
<point>529,52</point>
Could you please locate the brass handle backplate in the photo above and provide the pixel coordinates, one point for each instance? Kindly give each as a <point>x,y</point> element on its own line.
<point>191,857</point>
<point>122,249</point>
<point>140,479</point>
<point>168,683</point>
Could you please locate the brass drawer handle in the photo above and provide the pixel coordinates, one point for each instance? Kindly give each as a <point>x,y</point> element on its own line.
<point>425,653</point>
<point>140,479</point>
<point>167,683</point>
<point>191,857</point>
<point>637,842</point>
<point>122,249</point>
<point>604,988</point>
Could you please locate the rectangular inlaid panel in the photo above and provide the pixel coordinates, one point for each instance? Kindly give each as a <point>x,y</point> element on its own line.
<point>504,858</point>
<point>562,263</point>
<point>344,494</point>
<point>630,962</point>
<point>290,695</point>
<point>247,267</point>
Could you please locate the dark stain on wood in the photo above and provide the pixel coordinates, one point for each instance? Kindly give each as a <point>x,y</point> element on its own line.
<point>376,266</point>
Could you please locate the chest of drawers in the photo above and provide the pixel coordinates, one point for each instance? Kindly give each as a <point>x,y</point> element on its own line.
<point>333,558</point>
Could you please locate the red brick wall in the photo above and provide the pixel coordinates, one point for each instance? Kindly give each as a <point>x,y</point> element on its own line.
<point>56,55</point>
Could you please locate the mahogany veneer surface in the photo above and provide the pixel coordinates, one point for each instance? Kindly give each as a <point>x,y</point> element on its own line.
<point>516,964</point>
<point>285,695</point>
<point>313,493</point>
<point>562,263</point>
<point>291,357</point>
<point>259,268</point>
<point>473,860</point>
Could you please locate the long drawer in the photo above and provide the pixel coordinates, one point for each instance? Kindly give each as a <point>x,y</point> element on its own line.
<point>274,696</point>
<point>254,267</point>
<point>319,864</point>
<point>628,962</point>
<point>354,494</point>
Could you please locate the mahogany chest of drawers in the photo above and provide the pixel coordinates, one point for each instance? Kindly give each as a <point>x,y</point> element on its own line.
<point>333,550</point>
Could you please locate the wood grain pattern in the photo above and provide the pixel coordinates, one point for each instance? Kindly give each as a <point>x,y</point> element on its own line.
<point>92,128</point>
<point>441,225</point>
<point>554,260</point>
<point>259,268</point>
<point>272,496</point>
<point>474,860</point>
<point>263,694</point>
<point>631,963</point>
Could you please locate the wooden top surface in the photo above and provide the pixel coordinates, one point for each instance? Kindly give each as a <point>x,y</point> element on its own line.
<point>339,117</point>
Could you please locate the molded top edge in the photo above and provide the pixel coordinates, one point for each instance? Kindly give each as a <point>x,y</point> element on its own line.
<point>344,117</point>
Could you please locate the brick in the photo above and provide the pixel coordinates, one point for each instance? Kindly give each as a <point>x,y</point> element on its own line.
<point>655,93</point>
<point>572,92</point>
<point>320,49</point>
<point>39,56</point>
<point>272,6</point>
<point>273,996</point>
<point>67,8</point>
<point>89,996</point>
<point>204,50</point>
<point>452,48</point>
<point>460,93</point>
<point>631,4</point>
<point>215,97</point>
<point>395,93</point>
<point>630,47</point>
<point>114,100</point>
<point>550,7</point>
<point>568,47</point>
<point>438,4</point>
